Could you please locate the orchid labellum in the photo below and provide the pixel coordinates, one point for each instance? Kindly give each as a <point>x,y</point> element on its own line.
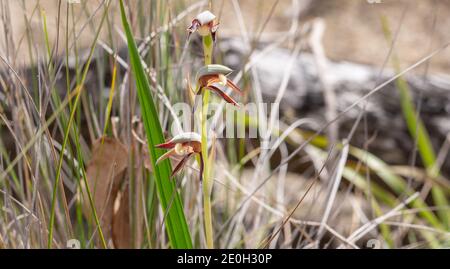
<point>184,145</point>
<point>204,24</point>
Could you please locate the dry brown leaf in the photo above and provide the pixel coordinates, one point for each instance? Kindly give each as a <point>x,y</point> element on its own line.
<point>120,225</point>
<point>105,173</point>
<point>123,235</point>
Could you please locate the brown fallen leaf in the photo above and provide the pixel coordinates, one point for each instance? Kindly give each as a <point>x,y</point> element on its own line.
<point>120,225</point>
<point>105,173</point>
<point>106,178</point>
<point>123,236</point>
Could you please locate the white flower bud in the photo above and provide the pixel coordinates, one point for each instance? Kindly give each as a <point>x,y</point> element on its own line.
<point>205,17</point>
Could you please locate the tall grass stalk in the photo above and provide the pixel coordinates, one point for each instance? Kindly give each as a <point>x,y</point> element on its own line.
<point>78,91</point>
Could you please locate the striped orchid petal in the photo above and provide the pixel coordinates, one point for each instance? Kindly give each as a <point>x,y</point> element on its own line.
<point>223,94</point>
<point>181,138</point>
<point>209,77</point>
<point>181,164</point>
<point>212,69</point>
<point>165,156</point>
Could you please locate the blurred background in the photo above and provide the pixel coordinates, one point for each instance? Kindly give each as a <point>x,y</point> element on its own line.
<point>353,28</point>
<point>360,159</point>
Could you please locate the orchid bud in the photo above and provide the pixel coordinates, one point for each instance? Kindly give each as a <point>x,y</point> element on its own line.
<point>204,24</point>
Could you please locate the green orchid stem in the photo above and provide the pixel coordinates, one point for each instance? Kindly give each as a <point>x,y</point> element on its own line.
<point>207,184</point>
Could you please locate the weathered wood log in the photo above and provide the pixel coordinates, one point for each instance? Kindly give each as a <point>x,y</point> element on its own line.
<point>350,82</point>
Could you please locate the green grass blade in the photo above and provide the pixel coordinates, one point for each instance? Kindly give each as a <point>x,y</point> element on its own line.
<point>176,224</point>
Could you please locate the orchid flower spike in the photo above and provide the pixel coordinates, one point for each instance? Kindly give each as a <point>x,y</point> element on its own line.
<point>211,77</point>
<point>184,145</point>
<point>204,24</point>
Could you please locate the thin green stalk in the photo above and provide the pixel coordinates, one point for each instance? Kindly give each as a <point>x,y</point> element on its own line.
<point>207,183</point>
<point>110,101</point>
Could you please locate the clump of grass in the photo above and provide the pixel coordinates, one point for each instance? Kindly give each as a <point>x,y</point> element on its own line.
<point>419,133</point>
<point>169,198</point>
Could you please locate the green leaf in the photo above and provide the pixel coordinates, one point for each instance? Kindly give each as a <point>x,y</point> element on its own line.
<point>176,224</point>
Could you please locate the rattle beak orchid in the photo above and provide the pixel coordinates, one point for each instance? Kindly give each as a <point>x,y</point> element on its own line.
<point>210,77</point>
<point>204,24</point>
<point>184,145</point>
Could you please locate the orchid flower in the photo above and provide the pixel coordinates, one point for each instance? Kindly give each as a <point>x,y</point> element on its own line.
<point>184,145</point>
<point>210,77</point>
<point>204,24</point>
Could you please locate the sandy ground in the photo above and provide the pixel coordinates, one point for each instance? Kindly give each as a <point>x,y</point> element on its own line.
<point>353,30</point>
